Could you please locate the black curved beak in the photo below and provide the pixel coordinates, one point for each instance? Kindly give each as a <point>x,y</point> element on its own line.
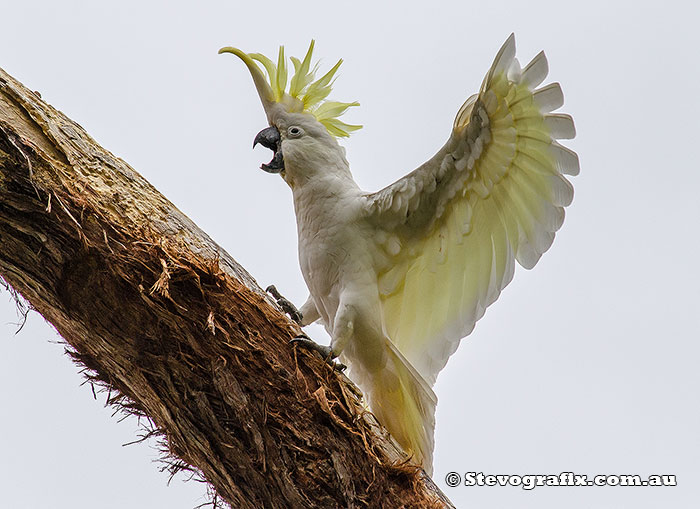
<point>270,138</point>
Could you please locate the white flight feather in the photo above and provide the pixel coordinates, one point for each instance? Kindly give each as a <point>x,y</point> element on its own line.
<point>461,236</point>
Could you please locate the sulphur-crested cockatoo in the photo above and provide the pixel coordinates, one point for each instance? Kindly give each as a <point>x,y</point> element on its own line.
<point>399,276</point>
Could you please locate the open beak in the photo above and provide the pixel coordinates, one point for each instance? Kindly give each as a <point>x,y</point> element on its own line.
<point>270,138</point>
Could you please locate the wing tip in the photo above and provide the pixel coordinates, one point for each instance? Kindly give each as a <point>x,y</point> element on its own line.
<point>549,98</point>
<point>536,71</point>
<point>567,160</point>
<point>561,126</point>
<point>503,58</point>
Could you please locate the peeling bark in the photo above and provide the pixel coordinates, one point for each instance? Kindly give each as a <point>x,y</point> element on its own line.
<point>180,332</point>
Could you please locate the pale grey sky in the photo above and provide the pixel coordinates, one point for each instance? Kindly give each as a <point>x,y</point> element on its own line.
<point>588,363</point>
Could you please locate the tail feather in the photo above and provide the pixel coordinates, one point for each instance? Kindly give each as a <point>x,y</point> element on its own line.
<point>405,404</point>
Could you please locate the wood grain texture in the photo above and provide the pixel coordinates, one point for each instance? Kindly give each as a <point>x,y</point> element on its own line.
<point>180,332</point>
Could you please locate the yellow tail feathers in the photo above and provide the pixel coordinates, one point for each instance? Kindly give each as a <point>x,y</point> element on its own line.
<point>404,403</point>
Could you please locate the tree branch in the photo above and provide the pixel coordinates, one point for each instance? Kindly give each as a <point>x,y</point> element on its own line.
<point>178,331</point>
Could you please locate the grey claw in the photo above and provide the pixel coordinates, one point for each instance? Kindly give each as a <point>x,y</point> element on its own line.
<point>324,351</point>
<point>310,344</point>
<point>286,305</point>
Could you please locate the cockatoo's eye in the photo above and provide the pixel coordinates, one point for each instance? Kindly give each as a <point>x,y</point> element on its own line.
<point>294,132</point>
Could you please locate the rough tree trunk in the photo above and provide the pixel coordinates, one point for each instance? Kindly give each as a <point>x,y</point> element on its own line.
<point>178,330</point>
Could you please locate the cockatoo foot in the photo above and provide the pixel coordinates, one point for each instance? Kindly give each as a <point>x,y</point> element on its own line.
<point>286,305</point>
<point>325,351</point>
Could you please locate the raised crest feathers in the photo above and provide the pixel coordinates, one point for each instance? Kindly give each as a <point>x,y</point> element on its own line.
<point>306,93</point>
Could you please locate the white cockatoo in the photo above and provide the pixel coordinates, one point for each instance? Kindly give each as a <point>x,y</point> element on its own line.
<point>399,276</point>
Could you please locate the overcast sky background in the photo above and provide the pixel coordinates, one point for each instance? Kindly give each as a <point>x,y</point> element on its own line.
<point>588,363</point>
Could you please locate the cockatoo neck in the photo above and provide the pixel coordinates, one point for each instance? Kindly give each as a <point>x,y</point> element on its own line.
<point>322,184</point>
<point>314,163</point>
<point>321,190</point>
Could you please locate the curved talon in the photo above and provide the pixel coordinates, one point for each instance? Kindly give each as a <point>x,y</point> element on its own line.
<point>325,351</point>
<point>286,305</point>
<point>309,344</point>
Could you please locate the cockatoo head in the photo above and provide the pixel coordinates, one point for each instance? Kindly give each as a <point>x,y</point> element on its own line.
<point>303,124</point>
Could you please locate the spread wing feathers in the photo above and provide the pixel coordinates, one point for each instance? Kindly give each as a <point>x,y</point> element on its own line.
<point>453,229</point>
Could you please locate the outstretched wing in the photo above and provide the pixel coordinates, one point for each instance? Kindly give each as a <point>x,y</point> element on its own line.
<point>452,229</point>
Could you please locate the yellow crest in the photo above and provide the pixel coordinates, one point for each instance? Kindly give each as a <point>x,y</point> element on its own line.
<point>306,94</point>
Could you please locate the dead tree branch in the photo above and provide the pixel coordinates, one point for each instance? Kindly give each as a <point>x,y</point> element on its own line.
<point>178,331</point>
